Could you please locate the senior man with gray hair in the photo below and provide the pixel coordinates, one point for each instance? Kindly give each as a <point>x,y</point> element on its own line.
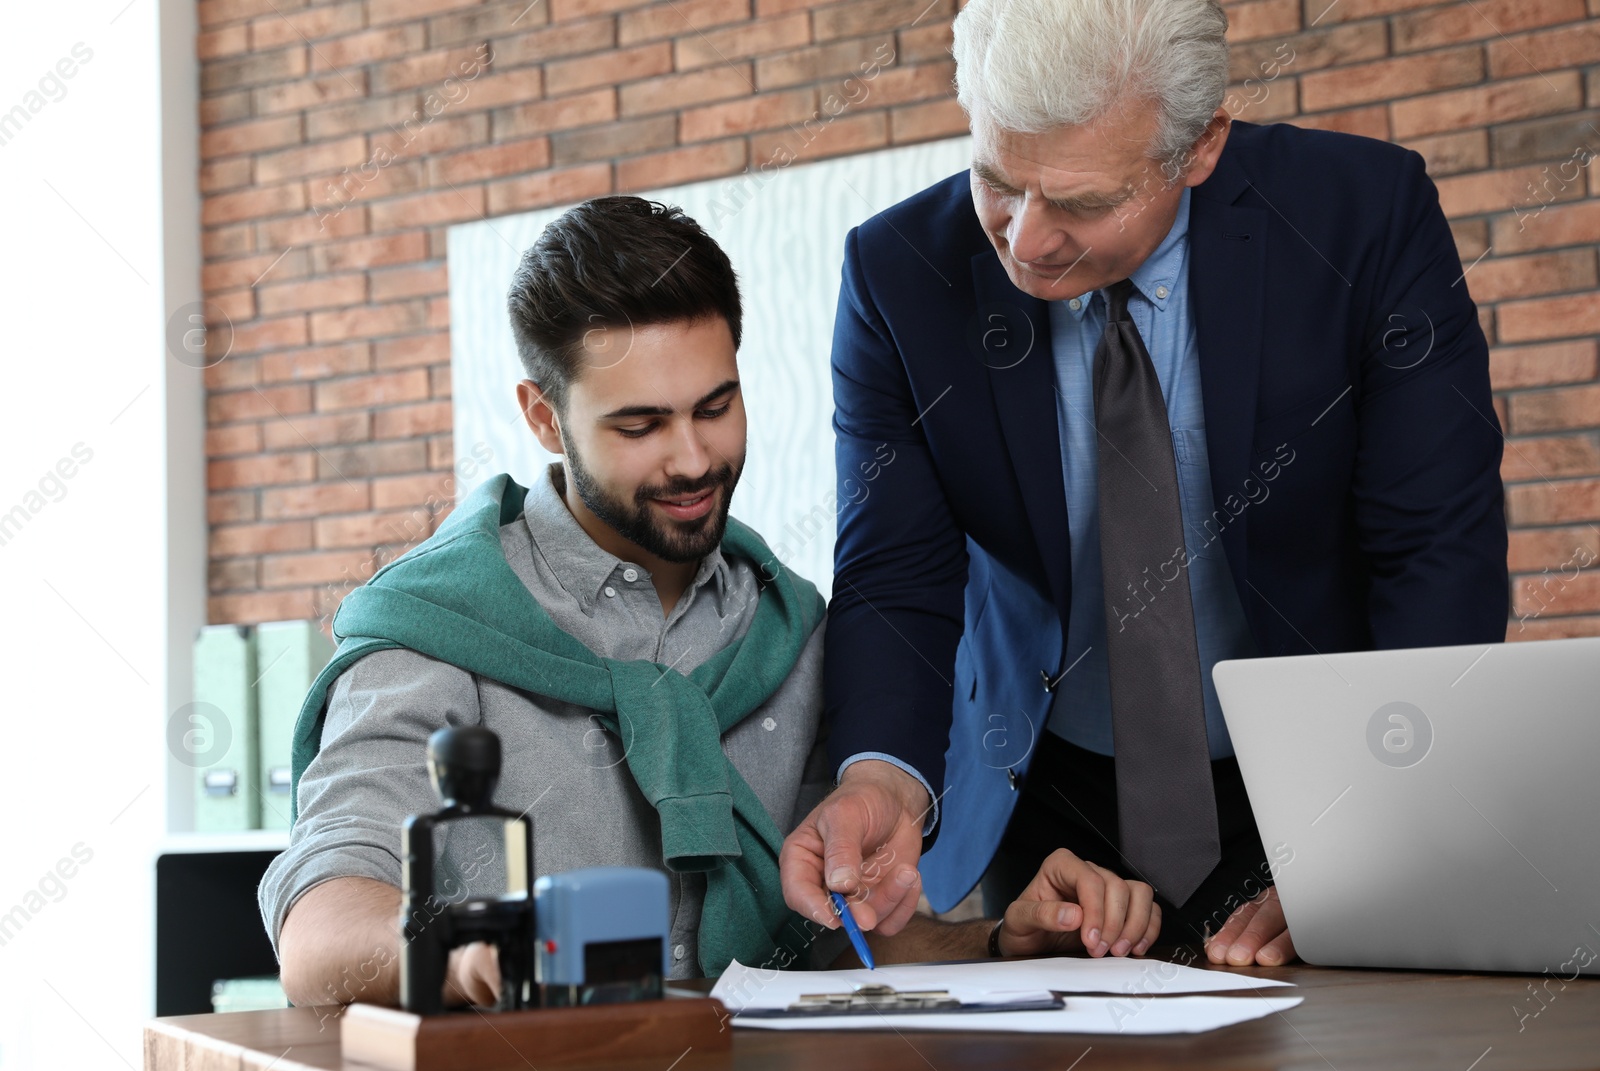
<point>1165,388</point>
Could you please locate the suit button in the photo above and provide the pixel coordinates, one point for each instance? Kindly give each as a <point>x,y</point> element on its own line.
<point>1011,776</point>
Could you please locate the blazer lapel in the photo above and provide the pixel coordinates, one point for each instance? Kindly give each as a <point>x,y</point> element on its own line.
<point>1227,283</point>
<point>1011,331</point>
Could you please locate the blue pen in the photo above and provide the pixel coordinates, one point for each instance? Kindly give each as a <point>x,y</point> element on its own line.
<point>857,940</point>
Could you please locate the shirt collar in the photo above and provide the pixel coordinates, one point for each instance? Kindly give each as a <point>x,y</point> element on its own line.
<point>579,564</point>
<point>1161,271</point>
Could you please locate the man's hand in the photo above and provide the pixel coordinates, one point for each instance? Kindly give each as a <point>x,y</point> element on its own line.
<point>863,841</point>
<point>472,975</point>
<point>1255,933</point>
<point>1075,906</point>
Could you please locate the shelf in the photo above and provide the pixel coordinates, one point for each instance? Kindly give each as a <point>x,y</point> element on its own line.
<point>247,840</point>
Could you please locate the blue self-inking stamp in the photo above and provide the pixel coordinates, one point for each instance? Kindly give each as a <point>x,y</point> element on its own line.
<point>602,935</point>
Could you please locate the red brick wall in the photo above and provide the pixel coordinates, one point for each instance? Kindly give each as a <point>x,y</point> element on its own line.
<point>341,139</point>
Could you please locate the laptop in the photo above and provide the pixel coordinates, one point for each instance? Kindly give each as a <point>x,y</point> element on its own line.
<point>1432,808</point>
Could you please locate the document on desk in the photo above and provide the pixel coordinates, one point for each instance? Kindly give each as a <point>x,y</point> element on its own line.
<point>1147,996</point>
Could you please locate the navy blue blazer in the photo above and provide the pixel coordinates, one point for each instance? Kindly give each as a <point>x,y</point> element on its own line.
<point>1354,450</point>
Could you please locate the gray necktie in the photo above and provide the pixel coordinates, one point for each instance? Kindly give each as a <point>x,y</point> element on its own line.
<point>1166,805</point>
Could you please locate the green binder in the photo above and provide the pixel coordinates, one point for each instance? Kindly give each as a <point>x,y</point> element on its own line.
<point>256,993</point>
<point>217,734</point>
<point>289,655</point>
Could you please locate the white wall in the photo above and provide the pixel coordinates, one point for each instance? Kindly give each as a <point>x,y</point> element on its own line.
<point>103,570</point>
<point>784,232</point>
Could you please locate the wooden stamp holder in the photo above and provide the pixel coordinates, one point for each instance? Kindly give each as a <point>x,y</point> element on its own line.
<point>469,1040</point>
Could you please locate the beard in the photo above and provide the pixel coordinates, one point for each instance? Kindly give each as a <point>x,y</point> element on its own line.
<point>670,540</point>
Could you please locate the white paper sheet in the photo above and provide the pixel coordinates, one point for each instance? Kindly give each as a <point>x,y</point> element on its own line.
<point>741,987</point>
<point>1083,1015</point>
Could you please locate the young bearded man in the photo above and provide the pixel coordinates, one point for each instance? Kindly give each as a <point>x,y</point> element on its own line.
<point>653,674</point>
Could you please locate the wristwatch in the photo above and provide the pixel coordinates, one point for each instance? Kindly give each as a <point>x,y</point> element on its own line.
<point>994,939</point>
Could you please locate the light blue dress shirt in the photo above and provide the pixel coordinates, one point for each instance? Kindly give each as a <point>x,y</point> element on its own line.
<point>1160,310</point>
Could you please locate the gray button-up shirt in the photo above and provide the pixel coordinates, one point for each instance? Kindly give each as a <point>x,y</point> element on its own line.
<point>559,764</point>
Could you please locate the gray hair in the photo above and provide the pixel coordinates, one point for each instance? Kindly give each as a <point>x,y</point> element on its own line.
<point>1033,65</point>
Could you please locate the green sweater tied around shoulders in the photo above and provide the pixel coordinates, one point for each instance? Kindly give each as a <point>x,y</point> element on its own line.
<point>453,597</point>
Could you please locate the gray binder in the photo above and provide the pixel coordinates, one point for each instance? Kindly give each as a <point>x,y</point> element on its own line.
<point>217,733</point>
<point>289,655</point>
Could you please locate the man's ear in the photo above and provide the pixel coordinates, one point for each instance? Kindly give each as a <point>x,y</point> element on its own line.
<point>1203,155</point>
<point>540,414</point>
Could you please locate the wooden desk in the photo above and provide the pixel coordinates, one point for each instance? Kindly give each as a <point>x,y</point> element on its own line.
<point>1349,1020</point>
